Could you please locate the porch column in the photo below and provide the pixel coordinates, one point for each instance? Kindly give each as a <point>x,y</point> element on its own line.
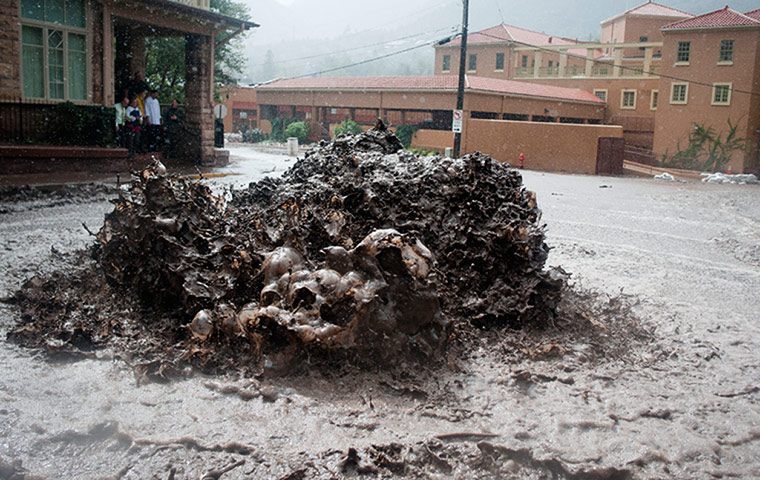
<point>589,62</point>
<point>199,84</point>
<point>537,64</point>
<point>109,97</point>
<point>618,62</point>
<point>562,62</point>
<point>647,61</point>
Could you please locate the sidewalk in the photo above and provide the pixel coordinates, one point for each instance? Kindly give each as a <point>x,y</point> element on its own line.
<point>246,165</point>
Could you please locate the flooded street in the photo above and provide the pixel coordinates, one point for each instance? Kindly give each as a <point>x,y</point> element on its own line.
<point>678,401</point>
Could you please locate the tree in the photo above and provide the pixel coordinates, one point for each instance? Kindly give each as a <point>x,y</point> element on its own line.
<point>165,56</point>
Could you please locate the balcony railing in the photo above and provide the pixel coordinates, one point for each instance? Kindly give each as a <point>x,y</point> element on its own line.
<point>613,65</point>
<point>205,4</point>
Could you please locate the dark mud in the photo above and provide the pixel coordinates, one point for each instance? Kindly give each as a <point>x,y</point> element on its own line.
<point>360,247</point>
<point>595,394</point>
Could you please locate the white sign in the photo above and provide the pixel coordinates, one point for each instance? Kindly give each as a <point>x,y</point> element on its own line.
<point>220,111</point>
<point>243,115</point>
<point>456,123</point>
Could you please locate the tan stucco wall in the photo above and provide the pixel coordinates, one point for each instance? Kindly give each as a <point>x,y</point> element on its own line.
<point>437,140</point>
<point>547,146</point>
<point>673,122</point>
<point>232,94</point>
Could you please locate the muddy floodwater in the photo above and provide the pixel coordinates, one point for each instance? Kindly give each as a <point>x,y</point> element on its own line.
<point>673,396</point>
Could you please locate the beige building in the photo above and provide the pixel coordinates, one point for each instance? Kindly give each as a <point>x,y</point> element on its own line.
<point>710,76</point>
<point>54,51</point>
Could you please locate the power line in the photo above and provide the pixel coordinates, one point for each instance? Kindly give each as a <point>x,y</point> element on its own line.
<point>363,61</point>
<point>622,67</point>
<point>290,60</point>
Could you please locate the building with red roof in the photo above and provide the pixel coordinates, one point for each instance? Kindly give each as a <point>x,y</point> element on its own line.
<point>710,77</point>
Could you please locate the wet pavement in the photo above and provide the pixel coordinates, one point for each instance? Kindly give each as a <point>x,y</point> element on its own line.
<point>681,404</point>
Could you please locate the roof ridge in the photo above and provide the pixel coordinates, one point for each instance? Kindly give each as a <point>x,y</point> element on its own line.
<point>631,10</point>
<point>674,25</point>
<point>509,34</point>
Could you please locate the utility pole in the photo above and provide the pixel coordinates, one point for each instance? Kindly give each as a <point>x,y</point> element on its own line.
<point>462,64</point>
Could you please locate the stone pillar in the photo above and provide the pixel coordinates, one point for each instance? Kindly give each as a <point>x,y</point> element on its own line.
<point>618,62</point>
<point>109,96</point>
<point>537,64</point>
<point>562,63</point>
<point>199,113</point>
<point>589,62</point>
<point>10,52</point>
<point>647,61</point>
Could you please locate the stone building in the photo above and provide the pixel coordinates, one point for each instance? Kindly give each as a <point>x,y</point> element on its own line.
<point>53,51</point>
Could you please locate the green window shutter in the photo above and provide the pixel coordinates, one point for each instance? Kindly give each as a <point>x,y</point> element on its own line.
<point>32,59</point>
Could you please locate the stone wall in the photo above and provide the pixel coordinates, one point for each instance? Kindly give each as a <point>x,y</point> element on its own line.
<point>199,115</point>
<point>10,51</point>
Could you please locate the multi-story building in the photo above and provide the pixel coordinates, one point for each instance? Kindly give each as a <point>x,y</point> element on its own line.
<point>640,56</point>
<point>711,76</point>
<point>56,51</point>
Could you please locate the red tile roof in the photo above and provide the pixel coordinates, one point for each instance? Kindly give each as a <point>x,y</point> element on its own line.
<point>436,82</point>
<point>651,9</point>
<point>724,17</point>
<point>754,14</point>
<point>504,33</point>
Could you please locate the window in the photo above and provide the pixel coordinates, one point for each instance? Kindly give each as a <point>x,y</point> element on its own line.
<point>524,61</point>
<point>551,63</point>
<point>726,56</point>
<point>601,94</point>
<point>628,100</point>
<point>642,40</point>
<point>679,93</point>
<point>684,50</point>
<point>446,63</point>
<point>721,94</point>
<point>654,99</point>
<point>54,49</point>
<point>499,62</point>
<point>472,64</point>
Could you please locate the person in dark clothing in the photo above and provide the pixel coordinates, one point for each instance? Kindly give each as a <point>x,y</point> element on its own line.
<point>174,118</point>
<point>138,85</point>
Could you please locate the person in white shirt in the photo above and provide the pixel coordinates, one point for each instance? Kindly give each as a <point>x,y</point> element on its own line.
<point>121,120</point>
<point>152,121</point>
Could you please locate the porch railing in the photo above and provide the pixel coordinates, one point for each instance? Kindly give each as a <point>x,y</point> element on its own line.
<point>205,4</point>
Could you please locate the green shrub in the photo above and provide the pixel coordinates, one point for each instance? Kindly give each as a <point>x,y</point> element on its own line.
<point>707,150</point>
<point>405,133</point>
<point>423,153</point>
<point>279,125</point>
<point>347,127</point>
<point>299,130</point>
<point>254,135</point>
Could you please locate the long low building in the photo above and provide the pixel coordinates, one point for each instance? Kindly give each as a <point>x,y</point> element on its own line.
<point>557,128</point>
<point>412,100</point>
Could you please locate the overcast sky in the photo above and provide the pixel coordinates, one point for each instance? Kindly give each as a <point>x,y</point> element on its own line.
<point>291,29</point>
<point>293,19</point>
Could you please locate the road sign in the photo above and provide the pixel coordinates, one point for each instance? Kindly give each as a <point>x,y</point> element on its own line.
<point>456,122</point>
<point>220,111</point>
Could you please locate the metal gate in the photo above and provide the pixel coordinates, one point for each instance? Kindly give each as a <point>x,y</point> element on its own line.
<point>609,156</point>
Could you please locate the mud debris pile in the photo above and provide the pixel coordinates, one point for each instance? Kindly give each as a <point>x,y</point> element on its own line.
<point>360,246</point>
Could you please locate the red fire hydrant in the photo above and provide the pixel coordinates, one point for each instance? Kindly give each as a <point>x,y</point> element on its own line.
<point>522,161</point>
